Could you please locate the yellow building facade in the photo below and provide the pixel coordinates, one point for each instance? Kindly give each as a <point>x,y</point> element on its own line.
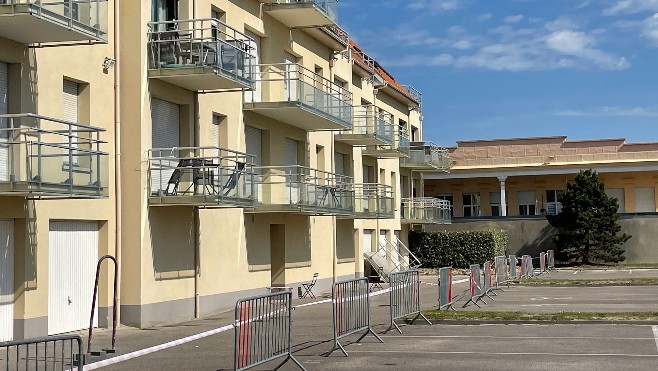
<point>526,176</point>
<point>216,148</point>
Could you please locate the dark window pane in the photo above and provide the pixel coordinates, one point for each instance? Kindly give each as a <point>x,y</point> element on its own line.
<point>532,210</point>
<point>467,212</point>
<point>550,196</point>
<point>495,210</point>
<point>466,199</point>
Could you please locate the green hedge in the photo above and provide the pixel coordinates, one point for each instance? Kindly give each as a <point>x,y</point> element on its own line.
<point>458,249</point>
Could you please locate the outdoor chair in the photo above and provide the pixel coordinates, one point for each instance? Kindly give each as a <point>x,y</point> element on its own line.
<point>232,181</point>
<point>308,287</point>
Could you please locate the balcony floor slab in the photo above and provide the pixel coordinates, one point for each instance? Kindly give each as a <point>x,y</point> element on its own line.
<point>26,27</point>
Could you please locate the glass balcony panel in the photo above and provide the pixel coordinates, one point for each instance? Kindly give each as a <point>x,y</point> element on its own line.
<point>200,54</point>
<point>202,176</point>
<point>425,211</point>
<point>373,201</point>
<point>427,155</point>
<point>292,94</point>
<point>46,157</point>
<point>54,21</point>
<point>303,13</point>
<point>302,189</point>
<point>369,129</point>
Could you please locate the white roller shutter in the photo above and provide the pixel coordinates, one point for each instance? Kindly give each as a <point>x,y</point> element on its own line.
<point>339,163</point>
<point>165,126</point>
<point>255,95</point>
<point>3,122</point>
<point>6,280</point>
<point>214,135</point>
<point>291,78</point>
<point>254,143</point>
<point>290,157</point>
<point>71,112</point>
<point>254,146</point>
<point>72,258</point>
<point>617,193</point>
<point>645,200</point>
<point>71,105</point>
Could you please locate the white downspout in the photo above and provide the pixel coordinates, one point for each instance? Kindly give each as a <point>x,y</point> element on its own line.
<point>117,151</point>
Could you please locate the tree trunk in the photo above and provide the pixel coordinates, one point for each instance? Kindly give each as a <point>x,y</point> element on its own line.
<point>586,253</point>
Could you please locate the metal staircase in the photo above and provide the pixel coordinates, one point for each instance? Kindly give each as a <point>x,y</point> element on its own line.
<point>391,258</point>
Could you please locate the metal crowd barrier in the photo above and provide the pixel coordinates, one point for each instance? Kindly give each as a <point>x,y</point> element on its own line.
<point>551,260</point>
<point>46,353</point>
<point>531,267</point>
<point>351,311</point>
<point>527,269</point>
<point>404,298</point>
<point>475,283</point>
<point>502,272</point>
<point>512,261</point>
<point>542,263</point>
<point>488,281</point>
<point>445,288</point>
<point>263,330</point>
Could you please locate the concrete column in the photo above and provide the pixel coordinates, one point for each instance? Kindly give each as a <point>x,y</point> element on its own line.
<point>503,202</point>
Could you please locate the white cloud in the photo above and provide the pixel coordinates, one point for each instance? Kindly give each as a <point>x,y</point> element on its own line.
<point>650,30</point>
<point>613,111</point>
<point>484,17</point>
<point>631,7</point>
<point>462,45</point>
<point>514,18</point>
<point>436,6</point>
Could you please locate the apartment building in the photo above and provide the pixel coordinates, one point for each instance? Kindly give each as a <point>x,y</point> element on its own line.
<point>56,185</point>
<point>258,145</point>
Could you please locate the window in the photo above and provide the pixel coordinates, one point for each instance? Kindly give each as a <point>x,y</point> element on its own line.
<point>71,113</point>
<point>471,204</point>
<point>617,193</point>
<point>448,198</point>
<point>527,203</point>
<point>645,200</point>
<point>554,202</point>
<point>494,201</point>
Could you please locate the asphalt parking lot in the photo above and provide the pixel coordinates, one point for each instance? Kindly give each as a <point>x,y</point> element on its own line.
<point>423,347</point>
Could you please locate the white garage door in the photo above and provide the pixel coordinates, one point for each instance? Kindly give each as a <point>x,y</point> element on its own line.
<point>72,258</point>
<point>6,280</point>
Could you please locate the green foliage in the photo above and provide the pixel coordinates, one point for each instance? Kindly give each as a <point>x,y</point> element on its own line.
<point>458,249</point>
<point>587,228</point>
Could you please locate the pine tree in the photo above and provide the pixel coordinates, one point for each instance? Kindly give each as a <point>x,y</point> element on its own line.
<point>587,228</point>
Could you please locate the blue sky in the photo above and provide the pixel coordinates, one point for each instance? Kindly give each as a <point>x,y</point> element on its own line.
<point>586,69</point>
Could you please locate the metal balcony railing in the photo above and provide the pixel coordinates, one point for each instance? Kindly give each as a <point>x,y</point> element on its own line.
<point>198,47</point>
<point>74,20</point>
<point>328,8</point>
<point>398,148</point>
<point>46,157</point>
<point>303,189</point>
<point>338,33</point>
<point>290,84</point>
<point>202,176</point>
<point>427,155</point>
<point>415,93</point>
<point>425,210</point>
<point>372,200</point>
<point>370,127</point>
<point>364,60</point>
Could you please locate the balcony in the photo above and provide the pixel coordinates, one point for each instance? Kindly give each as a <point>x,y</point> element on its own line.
<point>292,94</point>
<point>415,94</point>
<point>53,21</point>
<point>426,156</point>
<point>398,149</point>
<point>304,190</point>
<point>201,176</point>
<point>370,128</point>
<point>200,54</point>
<point>302,13</point>
<point>43,157</point>
<point>373,201</point>
<point>365,63</point>
<point>331,36</point>
<point>425,211</point>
